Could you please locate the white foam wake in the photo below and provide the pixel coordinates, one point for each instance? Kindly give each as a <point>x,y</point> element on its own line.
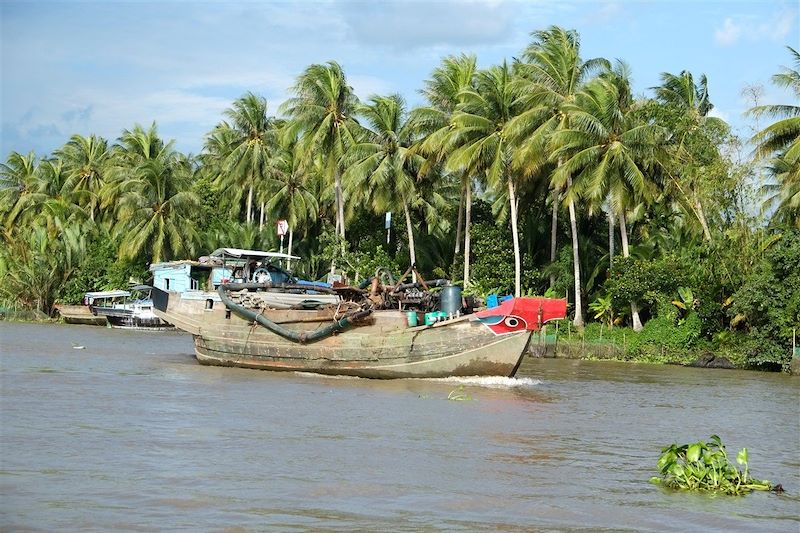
<point>494,382</point>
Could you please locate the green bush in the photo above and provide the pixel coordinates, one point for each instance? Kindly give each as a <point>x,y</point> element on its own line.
<point>649,282</point>
<point>492,264</point>
<point>768,304</point>
<point>101,270</point>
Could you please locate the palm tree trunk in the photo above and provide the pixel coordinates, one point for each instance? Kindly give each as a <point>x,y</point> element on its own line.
<point>623,230</point>
<point>576,262</point>
<point>553,235</point>
<point>460,222</point>
<point>250,204</point>
<point>289,251</point>
<point>261,218</point>
<point>702,218</point>
<point>696,206</point>
<point>411,249</point>
<point>467,217</point>
<point>339,202</point>
<point>610,240</point>
<point>512,198</point>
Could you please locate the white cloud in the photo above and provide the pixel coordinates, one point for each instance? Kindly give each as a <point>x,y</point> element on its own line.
<point>775,29</point>
<point>729,33</point>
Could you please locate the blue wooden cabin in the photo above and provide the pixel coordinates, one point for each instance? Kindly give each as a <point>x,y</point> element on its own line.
<point>224,265</point>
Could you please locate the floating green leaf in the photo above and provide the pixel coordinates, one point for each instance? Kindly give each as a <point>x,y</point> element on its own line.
<point>705,466</point>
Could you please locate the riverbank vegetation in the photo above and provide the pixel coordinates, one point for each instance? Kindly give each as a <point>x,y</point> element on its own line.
<point>543,175</point>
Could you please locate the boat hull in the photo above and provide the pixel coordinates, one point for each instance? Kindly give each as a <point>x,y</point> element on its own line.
<point>494,357</point>
<point>135,322</point>
<point>132,318</point>
<point>80,314</point>
<point>382,346</point>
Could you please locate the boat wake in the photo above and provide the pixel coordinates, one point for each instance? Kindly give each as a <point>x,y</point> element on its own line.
<point>492,382</point>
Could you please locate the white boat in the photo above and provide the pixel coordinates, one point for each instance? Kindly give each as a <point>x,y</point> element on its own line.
<point>127,309</point>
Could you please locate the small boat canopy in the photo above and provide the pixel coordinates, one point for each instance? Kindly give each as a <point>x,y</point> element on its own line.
<point>249,254</point>
<point>107,294</point>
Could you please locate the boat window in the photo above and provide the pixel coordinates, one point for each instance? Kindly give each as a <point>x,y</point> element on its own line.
<point>166,283</point>
<point>209,303</point>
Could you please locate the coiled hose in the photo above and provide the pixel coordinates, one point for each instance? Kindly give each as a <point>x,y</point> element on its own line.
<point>302,337</point>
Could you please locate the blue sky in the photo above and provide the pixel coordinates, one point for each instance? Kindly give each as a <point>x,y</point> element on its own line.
<point>100,67</point>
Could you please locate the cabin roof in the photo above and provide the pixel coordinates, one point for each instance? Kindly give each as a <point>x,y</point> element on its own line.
<point>167,264</point>
<point>107,294</point>
<point>247,254</point>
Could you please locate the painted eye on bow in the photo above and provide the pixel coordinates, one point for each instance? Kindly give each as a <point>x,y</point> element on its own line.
<point>512,322</point>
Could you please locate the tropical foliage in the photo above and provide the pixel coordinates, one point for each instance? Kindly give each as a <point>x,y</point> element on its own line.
<point>705,466</point>
<point>522,177</point>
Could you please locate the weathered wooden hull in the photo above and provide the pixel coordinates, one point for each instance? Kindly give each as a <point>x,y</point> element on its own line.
<point>80,314</point>
<point>380,347</point>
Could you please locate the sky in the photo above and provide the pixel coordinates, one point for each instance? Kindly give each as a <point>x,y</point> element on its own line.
<point>99,67</point>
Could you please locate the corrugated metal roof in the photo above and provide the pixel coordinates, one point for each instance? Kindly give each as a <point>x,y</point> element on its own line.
<point>167,264</point>
<point>238,252</point>
<point>107,294</point>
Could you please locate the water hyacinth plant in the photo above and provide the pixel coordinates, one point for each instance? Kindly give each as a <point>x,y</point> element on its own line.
<point>458,395</point>
<point>705,466</point>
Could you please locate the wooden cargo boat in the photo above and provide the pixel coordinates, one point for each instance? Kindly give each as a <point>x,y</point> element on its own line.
<point>230,328</point>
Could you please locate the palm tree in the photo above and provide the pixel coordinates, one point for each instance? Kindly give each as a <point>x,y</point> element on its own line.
<point>34,266</point>
<point>133,148</point>
<point>785,194</point>
<point>554,72</point>
<point>323,110</point>
<point>682,93</point>
<point>47,200</point>
<point>155,208</point>
<point>17,178</point>
<point>85,160</point>
<point>480,136</point>
<point>291,198</point>
<point>381,165</point>
<point>250,141</point>
<point>138,144</point>
<point>443,93</point>
<point>782,139</point>
<point>607,150</point>
<point>216,148</point>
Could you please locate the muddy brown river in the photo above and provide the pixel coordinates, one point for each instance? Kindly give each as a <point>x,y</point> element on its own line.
<point>130,433</point>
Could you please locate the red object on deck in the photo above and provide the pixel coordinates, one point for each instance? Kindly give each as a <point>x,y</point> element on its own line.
<point>518,314</point>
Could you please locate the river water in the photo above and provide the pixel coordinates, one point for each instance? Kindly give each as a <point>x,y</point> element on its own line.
<point>130,433</point>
